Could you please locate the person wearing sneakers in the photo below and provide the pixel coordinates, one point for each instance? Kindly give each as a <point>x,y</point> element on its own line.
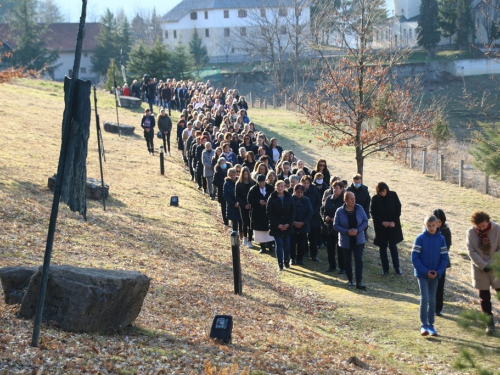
<point>429,257</point>
<point>165,126</point>
<point>148,124</point>
<point>483,243</point>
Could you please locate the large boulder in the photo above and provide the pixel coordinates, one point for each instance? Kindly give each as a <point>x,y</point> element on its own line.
<point>87,299</point>
<point>130,102</point>
<point>94,187</point>
<point>112,127</point>
<point>15,281</point>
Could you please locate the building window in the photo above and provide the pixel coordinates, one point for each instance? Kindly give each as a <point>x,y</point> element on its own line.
<point>226,14</point>
<point>226,31</point>
<point>243,31</point>
<point>207,33</point>
<point>166,34</point>
<point>283,29</point>
<point>175,34</point>
<point>242,13</point>
<point>263,13</point>
<point>206,14</point>
<point>194,15</point>
<point>283,12</point>
<point>83,70</point>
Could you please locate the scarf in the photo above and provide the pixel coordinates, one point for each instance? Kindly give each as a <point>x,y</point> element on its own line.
<point>484,241</point>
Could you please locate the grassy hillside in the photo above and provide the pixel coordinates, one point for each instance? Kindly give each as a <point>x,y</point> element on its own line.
<point>300,321</point>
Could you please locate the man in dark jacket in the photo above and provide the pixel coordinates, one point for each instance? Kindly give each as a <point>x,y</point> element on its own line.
<point>166,96</point>
<point>361,194</point>
<point>301,225</point>
<point>311,192</point>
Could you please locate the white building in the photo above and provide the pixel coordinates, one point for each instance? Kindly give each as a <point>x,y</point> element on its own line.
<point>400,30</point>
<point>61,37</point>
<point>225,25</point>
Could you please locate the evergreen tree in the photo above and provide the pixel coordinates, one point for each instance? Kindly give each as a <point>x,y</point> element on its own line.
<point>158,61</point>
<point>30,39</point>
<point>48,12</point>
<point>108,44</point>
<point>5,10</point>
<point>112,75</point>
<point>155,28</point>
<point>198,51</point>
<point>465,24</point>
<point>427,31</point>
<point>138,61</point>
<point>181,62</point>
<point>447,18</point>
<point>139,29</point>
<point>485,151</point>
<point>125,37</point>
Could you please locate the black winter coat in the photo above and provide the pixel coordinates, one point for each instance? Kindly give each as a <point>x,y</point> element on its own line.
<point>280,212</point>
<point>233,213</point>
<point>386,208</point>
<point>242,190</point>
<point>314,197</point>
<point>303,213</point>
<point>258,214</point>
<point>219,177</point>
<point>329,208</point>
<point>362,197</point>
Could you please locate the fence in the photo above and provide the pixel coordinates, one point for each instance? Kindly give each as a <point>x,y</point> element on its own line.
<point>451,162</point>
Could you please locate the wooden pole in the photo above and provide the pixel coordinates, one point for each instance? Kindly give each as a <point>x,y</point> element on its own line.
<point>265,104</point>
<point>412,160</point>
<point>486,183</point>
<point>461,174</point>
<point>260,103</point>
<point>251,100</point>
<point>424,161</point>
<point>441,168</point>
<point>274,101</point>
<point>286,101</point>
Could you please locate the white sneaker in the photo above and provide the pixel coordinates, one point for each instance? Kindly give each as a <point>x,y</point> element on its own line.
<point>250,244</point>
<point>244,241</point>
<point>168,153</point>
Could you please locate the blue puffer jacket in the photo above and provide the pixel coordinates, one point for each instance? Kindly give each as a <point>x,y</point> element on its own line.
<point>233,213</point>
<point>429,253</point>
<point>341,225</point>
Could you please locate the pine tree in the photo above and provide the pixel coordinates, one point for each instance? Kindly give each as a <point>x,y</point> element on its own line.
<point>139,29</point>
<point>158,61</point>
<point>30,51</point>
<point>465,24</point>
<point>198,51</point>
<point>112,75</point>
<point>48,12</point>
<point>155,27</point>
<point>485,151</point>
<point>427,31</point>
<point>125,37</point>
<point>447,18</point>
<point>181,62</point>
<point>108,44</point>
<point>138,61</point>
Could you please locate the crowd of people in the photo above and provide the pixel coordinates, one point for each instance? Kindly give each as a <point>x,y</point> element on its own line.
<point>272,198</point>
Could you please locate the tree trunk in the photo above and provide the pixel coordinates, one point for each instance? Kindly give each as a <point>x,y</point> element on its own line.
<point>359,159</point>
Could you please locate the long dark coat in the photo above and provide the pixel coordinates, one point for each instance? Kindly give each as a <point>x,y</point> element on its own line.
<point>386,208</point>
<point>280,212</point>
<point>258,214</point>
<point>303,213</point>
<point>233,213</point>
<point>313,195</point>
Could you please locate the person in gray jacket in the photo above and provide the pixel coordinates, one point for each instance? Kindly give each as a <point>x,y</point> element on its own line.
<point>483,243</point>
<point>208,169</point>
<point>165,126</point>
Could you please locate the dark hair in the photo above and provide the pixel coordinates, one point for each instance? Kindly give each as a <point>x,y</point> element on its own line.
<point>479,216</point>
<point>381,186</point>
<point>338,183</point>
<point>298,187</point>
<point>306,178</point>
<point>439,213</point>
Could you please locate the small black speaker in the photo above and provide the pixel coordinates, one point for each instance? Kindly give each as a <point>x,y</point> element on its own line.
<point>174,201</point>
<point>222,327</point>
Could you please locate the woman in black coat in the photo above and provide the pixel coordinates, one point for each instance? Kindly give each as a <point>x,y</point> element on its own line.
<point>328,211</point>
<point>232,207</point>
<point>148,124</point>
<point>257,197</point>
<point>281,214</point>
<point>311,192</point>
<point>219,177</point>
<point>249,161</point>
<point>301,225</point>
<point>386,212</point>
<point>243,186</point>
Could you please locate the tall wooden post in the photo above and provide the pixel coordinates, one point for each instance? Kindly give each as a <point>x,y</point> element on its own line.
<point>265,104</point>
<point>412,160</point>
<point>486,183</point>
<point>461,174</point>
<point>251,100</point>
<point>424,161</point>
<point>274,101</point>
<point>286,101</point>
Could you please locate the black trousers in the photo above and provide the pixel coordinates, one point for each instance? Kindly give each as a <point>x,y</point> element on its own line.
<point>313,241</point>
<point>332,247</point>
<point>166,141</point>
<point>236,225</point>
<point>485,299</point>
<point>245,218</point>
<point>150,143</point>
<point>440,293</point>
<point>223,207</point>
<point>298,246</point>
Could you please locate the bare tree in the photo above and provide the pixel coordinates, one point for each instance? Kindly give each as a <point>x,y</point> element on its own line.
<point>489,19</point>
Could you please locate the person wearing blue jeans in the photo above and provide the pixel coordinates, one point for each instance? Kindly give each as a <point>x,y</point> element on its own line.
<point>350,222</point>
<point>429,257</point>
<point>280,212</point>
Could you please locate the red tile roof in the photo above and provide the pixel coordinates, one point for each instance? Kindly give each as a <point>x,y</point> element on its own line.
<point>61,36</point>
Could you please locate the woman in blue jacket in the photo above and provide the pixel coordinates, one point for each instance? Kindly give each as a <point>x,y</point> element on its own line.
<point>350,222</point>
<point>429,257</point>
